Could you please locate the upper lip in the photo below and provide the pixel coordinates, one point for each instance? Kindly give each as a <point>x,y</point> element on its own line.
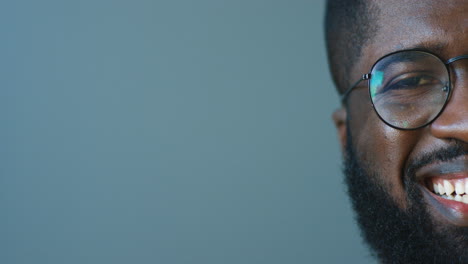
<point>455,168</point>
<point>450,172</point>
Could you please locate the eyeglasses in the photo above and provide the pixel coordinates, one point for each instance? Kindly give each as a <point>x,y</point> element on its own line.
<point>409,88</point>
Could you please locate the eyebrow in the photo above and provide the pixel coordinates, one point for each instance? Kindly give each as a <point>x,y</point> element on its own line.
<point>435,48</point>
<point>399,58</point>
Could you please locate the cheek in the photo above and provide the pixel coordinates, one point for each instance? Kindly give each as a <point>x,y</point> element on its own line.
<point>383,150</point>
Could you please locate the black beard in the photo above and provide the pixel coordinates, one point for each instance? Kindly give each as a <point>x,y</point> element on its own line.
<point>396,235</point>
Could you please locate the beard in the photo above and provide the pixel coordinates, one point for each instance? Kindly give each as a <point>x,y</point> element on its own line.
<point>397,235</point>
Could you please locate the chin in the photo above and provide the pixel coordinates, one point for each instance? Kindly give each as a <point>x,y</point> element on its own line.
<point>431,229</point>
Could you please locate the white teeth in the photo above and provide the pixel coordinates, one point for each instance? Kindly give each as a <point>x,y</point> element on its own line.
<point>455,189</point>
<point>441,188</point>
<point>448,187</point>
<point>460,187</point>
<point>465,199</point>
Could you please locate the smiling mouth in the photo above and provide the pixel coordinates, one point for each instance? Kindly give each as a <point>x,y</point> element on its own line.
<point>450,189</point>
<point>446,189</point>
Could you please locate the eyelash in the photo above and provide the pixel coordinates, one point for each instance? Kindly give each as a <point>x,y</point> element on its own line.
<point>405,83</point>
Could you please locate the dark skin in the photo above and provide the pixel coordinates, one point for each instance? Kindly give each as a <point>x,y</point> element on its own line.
<point>440,27</point>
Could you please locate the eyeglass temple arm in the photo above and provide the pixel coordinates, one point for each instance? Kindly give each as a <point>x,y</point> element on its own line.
<point>345,95</point>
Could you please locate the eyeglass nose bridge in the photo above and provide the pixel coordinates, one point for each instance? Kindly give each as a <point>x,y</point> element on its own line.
<point>367,77</point>
<point>447,88</point>
<point>442,127</point>
<point>454,59</point>
<point>447,63</point>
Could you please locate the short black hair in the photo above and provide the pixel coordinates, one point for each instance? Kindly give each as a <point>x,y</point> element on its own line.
<point>349,25</point>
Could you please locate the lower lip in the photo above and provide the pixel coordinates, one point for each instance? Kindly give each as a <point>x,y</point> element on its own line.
<point>453,211</point>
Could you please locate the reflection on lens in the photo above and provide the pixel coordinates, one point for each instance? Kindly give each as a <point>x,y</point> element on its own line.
<point>409,89</point>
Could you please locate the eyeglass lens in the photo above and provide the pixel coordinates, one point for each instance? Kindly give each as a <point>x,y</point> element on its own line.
<point>409,88</point>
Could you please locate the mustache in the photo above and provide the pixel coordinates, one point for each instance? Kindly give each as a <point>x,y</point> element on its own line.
<point>456,150</point>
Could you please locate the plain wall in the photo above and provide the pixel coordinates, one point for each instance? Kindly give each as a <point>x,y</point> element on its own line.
<point>169,131</point>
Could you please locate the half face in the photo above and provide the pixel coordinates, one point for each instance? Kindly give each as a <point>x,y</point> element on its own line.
<point>434,156</point>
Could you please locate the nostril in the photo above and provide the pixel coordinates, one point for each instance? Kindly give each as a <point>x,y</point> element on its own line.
<point>449,126</point>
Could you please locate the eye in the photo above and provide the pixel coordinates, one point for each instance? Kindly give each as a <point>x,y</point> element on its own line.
<point>417,81</point>
<point>420,81</point>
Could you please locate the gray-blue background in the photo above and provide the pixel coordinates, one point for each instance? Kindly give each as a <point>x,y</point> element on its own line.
<point>171,131</point>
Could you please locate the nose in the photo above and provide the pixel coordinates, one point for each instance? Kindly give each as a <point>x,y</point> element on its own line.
<point>453,121</point>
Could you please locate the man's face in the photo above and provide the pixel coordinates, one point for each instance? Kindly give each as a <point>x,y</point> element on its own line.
<point>404,165</point>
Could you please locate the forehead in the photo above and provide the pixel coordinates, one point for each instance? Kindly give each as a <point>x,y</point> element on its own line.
<point>439,26</point>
